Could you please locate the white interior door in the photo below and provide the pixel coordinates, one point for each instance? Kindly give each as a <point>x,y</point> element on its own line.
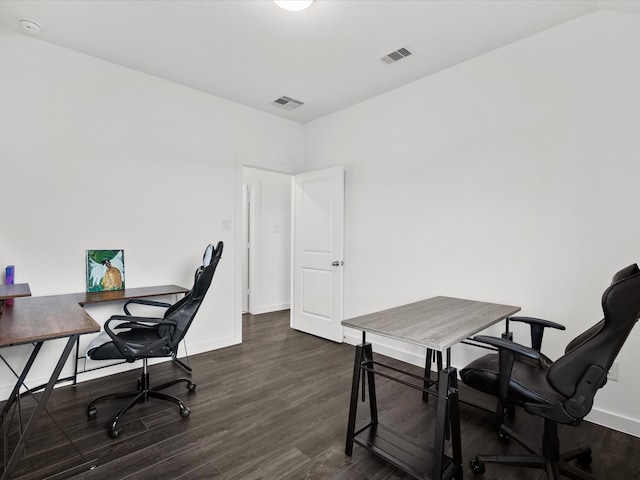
<point>318,245</point>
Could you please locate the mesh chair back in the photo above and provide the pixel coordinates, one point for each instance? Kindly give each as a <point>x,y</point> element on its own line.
<point>184,311</point>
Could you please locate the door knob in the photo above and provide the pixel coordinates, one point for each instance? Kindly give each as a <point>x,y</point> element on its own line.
<point>337,263</point>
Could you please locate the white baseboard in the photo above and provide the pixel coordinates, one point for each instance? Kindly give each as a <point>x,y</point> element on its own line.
<point>607,419</point>
<point>270,308</point>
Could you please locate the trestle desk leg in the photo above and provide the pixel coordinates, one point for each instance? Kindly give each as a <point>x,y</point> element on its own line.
<point>363,357</point>
<point>353,405</point>
<point>373,403</point>
<point>427,371</point>
<point>447,416</point>
<point>454,422</point>
<point>427,375</point>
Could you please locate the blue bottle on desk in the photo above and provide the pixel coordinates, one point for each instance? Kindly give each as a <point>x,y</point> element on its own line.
<point>9,274</point>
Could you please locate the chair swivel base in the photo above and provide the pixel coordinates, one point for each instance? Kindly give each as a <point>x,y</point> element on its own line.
<point>553,463</point>
<point>141,395</point>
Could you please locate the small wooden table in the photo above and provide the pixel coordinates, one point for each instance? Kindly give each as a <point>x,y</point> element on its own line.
<point>437,324</point>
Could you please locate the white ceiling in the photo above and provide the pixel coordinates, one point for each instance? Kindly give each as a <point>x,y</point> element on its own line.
<point>252,52</point>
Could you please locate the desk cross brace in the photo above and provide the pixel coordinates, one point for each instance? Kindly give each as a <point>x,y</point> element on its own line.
<point>14,397</point>
<point>422,388</point>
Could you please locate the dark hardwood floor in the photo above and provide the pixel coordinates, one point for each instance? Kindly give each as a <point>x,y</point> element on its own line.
<point>274,407</point>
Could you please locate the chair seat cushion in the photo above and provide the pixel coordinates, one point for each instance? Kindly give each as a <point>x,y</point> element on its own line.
<point>528,382</point>
<point>103,348</point>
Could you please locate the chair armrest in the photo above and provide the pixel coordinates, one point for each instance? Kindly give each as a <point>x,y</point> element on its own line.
<point>142,301</point>
<point>513,347</point>
<point>538,321</point>
<point>537,326</point>
<point>507,353</point>
<point>133,350</point>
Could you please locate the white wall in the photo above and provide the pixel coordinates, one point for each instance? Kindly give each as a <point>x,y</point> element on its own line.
<point>271,256</point>
<point>511,178</point>
<point>99,156</point>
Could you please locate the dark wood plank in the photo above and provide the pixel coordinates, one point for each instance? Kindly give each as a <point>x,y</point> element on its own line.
<point>274,407</point>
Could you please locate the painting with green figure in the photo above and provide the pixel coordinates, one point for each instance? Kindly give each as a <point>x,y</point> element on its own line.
<point>105,270</point>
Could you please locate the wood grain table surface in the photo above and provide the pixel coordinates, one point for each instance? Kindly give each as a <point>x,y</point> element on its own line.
<point>437,323</point>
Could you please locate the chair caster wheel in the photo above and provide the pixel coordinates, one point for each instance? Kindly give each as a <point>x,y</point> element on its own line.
<point>92,412</point>
<point>191,387</point>
<point>114,433</point>
<point>504,437</point>
<point>477,467</point>
<point>185,412</point>
<point>584,459</point>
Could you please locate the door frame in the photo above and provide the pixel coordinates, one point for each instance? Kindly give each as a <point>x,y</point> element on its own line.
<point>238,237</point>
<point>248,240</point>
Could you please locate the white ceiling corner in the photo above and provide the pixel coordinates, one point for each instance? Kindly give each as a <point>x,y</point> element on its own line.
<point>327,56</point>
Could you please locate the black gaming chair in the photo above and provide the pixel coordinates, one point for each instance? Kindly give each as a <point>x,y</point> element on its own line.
<point>561,392</point>
<point>131,338</point>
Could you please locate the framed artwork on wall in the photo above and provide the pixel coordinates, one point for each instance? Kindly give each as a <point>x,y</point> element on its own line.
<point>105,270</point>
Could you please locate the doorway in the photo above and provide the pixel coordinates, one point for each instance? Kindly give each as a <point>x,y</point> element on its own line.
<point>266,240</point>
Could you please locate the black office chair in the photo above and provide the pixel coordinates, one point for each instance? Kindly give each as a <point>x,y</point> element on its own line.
<point>561,392</point>
<point>131,338</point>
<point>536,333</point>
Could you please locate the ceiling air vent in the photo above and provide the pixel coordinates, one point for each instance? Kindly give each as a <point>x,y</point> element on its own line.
<point>288,103</point>
<point>396,55</point>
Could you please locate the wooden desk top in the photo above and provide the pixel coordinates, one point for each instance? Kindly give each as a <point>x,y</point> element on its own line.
<point>437,323</point>
<point>14,291</point>
<point>33,319</point>
<point>86,298</point>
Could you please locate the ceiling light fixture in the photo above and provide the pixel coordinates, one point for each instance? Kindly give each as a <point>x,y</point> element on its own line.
<point>29,26</point>
<point>293,5</point>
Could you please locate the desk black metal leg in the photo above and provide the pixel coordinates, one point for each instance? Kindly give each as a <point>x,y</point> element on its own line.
<point>20,381</point>
<point>353,406</point>
<point>15,398</point>
<point>186,367</point>
<point>454,419</point>
<point>363,357</point>
<point>40,406</point>
<point>75,363</point>
<point>427,375</point>
<point>447,416</point>
<point>373,402</point>
<point>427,371</point>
